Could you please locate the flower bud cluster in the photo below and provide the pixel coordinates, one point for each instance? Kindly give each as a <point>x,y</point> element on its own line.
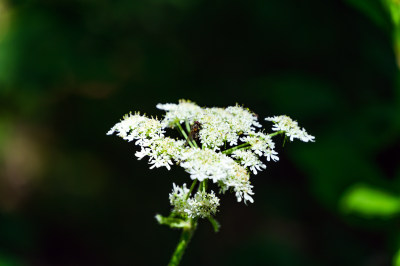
<point>202,204</point>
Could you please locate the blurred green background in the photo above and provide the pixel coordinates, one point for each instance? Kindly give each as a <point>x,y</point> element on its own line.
<point>69,70</point>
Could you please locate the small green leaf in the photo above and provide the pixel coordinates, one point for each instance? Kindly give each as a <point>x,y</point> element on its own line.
<point>215,224</point>
<point>370,202</point>
<point>172,222</point>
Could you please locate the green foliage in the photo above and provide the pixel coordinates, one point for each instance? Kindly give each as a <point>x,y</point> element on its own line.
<point>172,222</point>
<point>370,202</point>
<point>374,10</point>
<point>69,69</point>
<point>396,259</point>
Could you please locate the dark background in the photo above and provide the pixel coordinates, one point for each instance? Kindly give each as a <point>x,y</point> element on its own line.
<point>69,70</point>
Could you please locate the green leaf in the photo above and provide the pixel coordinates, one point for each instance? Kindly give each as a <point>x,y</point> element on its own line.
<point>373,9</point>
<point>215,224</point>
<point>370,202</point>
<point>394,10</point>
<point>172,222</point>
<point>396,259</point>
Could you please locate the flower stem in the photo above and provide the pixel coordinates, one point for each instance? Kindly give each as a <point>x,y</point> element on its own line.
<point>184,134</point>
<point>186,235</point>
<point>247,145</point>
<point>229,151</point>
<point>276,133</point>
<point>191,189</point>
<point>187,125</point>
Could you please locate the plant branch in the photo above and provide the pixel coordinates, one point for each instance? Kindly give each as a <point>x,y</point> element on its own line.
<point>191,189</point>
<point>187,234</point>
<point>184,134</point>
<point>241,146</point>
<point>276,133</point>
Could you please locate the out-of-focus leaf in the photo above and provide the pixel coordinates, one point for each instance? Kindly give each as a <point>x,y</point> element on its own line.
<point>370,202</point>
<point>394,10</point>
<point>396,259</point>
<point>373,9</point>
<point>6,260</point>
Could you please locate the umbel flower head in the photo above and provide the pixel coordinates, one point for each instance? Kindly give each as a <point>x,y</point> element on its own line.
<point>220,145</point>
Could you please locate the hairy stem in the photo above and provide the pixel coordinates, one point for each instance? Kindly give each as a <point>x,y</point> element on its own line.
<point>187,234</point>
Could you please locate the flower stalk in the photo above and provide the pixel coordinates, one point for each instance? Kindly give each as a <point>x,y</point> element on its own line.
<point>186,236</point>
<point>239,147</point>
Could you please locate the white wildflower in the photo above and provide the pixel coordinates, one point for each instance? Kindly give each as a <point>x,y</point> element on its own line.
<point>243,120</point>
<point>291,128</point>
<point>234,126</point>
<point>271,154</point>
<point>137,127</point>
<point>177,198</point>
<point>218,167</point>
<point>202,205</point>
<point>249,159</point>
<point>262,145</point>
<point>161,151</point>
<point>179,113</point>
<point>238,179</point>
<point>222,126</point>
<point>216,128</point>
<point>206,164</point>
<point>149,135</point>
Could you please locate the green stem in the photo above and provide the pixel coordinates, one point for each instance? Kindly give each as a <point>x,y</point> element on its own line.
<point>204,185</point>
<point>187,234</point>
<point>276,133</point>
<point>181,130</point>
<point>247,145</point>
<point>191,189</point>
<point>241,146</point>
<point>187,125</point>
<point>184,134</point>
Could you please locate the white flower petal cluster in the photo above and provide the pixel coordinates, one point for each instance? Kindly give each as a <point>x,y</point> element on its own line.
<point>243,119</point>
<point>177,198</point>
<point>249,159</point>
<point>239,181</point>
<point>206,164</point>
<point>225,125</point>
<point>262,145</point>
<point>220,168</point>
<point>149,135</point>
<point>291,128</point>
<point>202,204</point>
<point>220,125</point>
<point>161,151</point>
<point>216,129</point>
<point>138,127</point>
<point>179,113</point>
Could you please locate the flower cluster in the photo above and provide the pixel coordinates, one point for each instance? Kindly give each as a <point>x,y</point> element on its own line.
<point>224,149</point>
<point>290,127</point>
<point>202,204</point>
